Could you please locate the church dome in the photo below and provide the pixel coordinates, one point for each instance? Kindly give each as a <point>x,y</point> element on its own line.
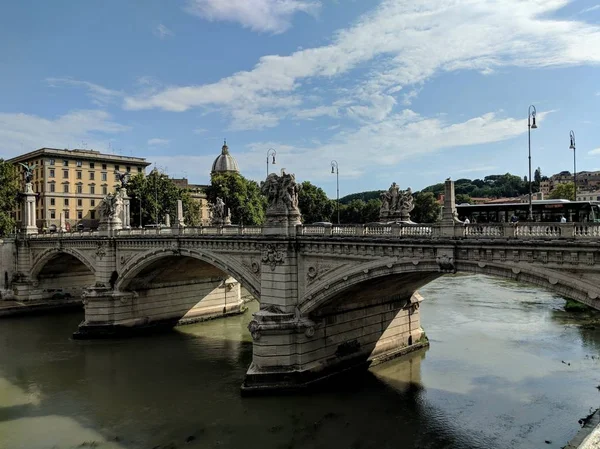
<point>225,162</point>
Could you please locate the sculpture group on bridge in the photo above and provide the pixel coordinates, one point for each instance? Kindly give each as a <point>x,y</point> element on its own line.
<point>396,204</point>
<point>111,206</point>
<point>219,213</point>
<point>282,200</point>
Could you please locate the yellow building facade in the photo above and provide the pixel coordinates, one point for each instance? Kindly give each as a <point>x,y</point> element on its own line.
<point>73,182</point>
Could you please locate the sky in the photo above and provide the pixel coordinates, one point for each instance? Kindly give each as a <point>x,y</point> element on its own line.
<point>403,91</point>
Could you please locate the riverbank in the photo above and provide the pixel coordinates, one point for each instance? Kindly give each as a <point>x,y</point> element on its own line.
<point>589,435</point>
<point>17,308</point>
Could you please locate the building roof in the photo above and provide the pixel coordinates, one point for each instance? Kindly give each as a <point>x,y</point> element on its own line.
<point>90,155</point>
<point>225,162</point>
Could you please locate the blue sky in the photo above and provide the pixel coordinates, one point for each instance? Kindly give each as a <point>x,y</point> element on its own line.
<point>404,91</point>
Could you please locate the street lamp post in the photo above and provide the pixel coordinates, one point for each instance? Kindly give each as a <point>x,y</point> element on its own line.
<point>270,152</point>
<point>530,125</point>
<point>572,147</point>
<point>335,169</point>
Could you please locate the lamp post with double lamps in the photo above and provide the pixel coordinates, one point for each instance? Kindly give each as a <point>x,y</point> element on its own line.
<point>335,169</point>
<point>530,125</point>
<point>270,152</point>
<point>572,147</point>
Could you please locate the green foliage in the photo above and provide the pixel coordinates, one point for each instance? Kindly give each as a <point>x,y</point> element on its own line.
<point>493,186</point>
<point>359,211</point>
<point>564,191</point>
<point>159,197</point>
<point>314,204</point>
<point>462,198</point>
<point>427,209</point>
<point>574,306</point>
<point>364,196</point>
<point>241,196</point>
<point>9,189</point>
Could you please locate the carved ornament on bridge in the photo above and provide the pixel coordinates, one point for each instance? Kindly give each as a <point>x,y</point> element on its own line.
<point>100,251</point>
<point>273,255</point>
<point>446,263</point>
<point>317,270</point>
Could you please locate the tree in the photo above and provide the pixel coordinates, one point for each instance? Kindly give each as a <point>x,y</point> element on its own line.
<point>242,197</point>
<point>9,190</point>
<point>427,209</point>
<point>461,198</point>
<point>537,179</point>
<point>564,191</point>
<point>314,204</point>
<point>159,197</point>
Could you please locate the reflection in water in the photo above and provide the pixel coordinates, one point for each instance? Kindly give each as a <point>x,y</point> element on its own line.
<point>493,378</point>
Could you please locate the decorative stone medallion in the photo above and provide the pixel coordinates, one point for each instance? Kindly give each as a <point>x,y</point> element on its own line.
<point>273,256</point>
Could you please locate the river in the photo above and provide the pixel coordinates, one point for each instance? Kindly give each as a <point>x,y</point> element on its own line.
<point>493,378</point>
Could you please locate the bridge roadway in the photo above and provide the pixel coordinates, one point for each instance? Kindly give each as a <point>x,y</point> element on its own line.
<point>331,298</point>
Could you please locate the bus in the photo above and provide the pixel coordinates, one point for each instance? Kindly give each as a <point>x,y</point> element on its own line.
<point>543,211</point>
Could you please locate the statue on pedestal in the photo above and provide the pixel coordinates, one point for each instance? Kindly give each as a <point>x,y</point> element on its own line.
<point>123,179</point>
<point>28,171</point>
<point>396,204</point>
<point>219,213</point>
<point>109,211</point>
<point>282,198</point>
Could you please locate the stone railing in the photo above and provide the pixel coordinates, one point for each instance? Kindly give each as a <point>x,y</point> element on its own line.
<point>395,230</point>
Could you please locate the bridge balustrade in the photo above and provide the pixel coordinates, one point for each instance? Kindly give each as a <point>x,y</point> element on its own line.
<point>587,230</point>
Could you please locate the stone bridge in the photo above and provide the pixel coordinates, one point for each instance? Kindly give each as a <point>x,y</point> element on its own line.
<point>331,298</point>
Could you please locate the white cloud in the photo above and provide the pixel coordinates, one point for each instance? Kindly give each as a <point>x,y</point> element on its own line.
<point>162,31</point>
<point>259,15</point>
<point>487,169</point>
<point>100,95</point>
<point>591,8</point>
<point>594,152</point>
<point>409,42</point>
<point>156,142</point>
<point>20,133</point>
<point>401,136</point>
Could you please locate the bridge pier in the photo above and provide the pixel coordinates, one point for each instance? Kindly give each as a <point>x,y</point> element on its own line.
<point>114,313</point>
<point>292,352</point>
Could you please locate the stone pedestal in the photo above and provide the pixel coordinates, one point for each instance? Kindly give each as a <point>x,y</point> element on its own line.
<point>180,221</point>
<point>167,220</point>
<point>126,211</point>
<point>29,219</point>
<point>62,224</point>
<point>450,226</point>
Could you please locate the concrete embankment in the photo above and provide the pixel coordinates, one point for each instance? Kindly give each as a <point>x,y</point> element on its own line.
<point>16,308</point>
<point>589,435</point>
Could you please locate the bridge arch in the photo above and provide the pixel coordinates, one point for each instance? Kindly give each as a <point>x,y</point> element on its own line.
<point>52,253</point>
<point>421,272</point>
<point>225,264</point>
<point>61,273</point>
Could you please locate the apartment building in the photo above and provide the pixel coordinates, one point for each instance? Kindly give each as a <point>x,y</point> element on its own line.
<point>73,182</point>
<point>198,193</point>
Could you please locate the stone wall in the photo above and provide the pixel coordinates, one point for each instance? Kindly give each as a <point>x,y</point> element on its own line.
<point>7,267</point>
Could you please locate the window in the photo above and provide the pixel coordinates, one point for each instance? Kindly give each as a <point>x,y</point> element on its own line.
<point>79,202</point>
<point>93,190</point>
<point>104,190</point>
<point>79,163</point>
<point>104,177</point>
<point>51,173</point>
<point>52,213</point>
<point>93,214</point>
<point>65,163</point>
<point>116,176</point>
<point>66,214</point>
<point>78,175</point>
<point>92,176</point>
<point>66,201</point>
<point>79,215</point>
<point>52,187</point>
<point>92,203</point>
<point>79,188</point>
<point>92,165</point>
<point>103,166</point>
<point>128,169</point>
<point>52,201</point>
<point>139,169</point>
<point>65,173</point>
<point>52,161</point>
<point>116,168</point>
<point>66,188</point>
